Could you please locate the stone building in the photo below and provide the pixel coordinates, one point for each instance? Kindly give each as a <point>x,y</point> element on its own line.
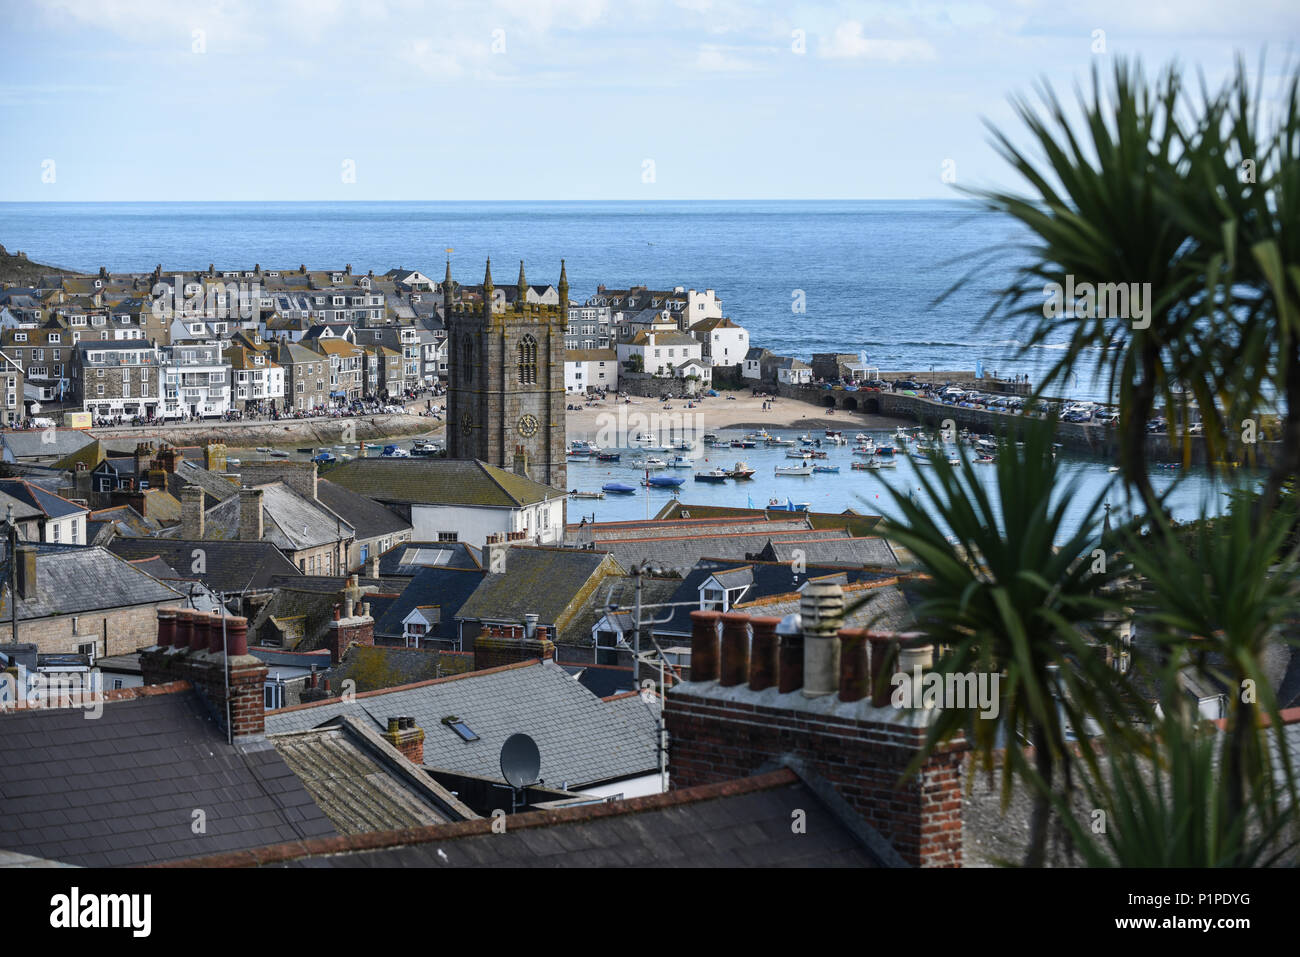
<point>506,392</point>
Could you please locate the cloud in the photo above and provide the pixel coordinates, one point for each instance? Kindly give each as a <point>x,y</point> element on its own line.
<point>717,59</point>
<point>850,42</point>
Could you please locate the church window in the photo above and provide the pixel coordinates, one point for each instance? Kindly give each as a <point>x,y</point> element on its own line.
<point>527,356</point>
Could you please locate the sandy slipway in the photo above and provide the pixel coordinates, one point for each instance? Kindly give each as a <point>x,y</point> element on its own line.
<point>322,431</point>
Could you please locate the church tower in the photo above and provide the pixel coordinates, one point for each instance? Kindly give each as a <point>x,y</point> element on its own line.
<point>505,396</point>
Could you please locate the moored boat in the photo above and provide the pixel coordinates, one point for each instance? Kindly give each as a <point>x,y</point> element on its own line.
<point>794,470</point>
<point>741,471</point>
<point>618,488</point>
<point>713,475</point>
<point>826,468</point>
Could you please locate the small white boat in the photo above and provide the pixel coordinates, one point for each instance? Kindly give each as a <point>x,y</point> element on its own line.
<point>798,454</point>
<point>794,470</point>
<point>264,449</point>
<point>680,462</point>
<point>650,462</point>
<point>881,464</point>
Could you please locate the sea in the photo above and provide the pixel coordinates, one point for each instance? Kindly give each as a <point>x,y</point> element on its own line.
<point>909,285</point>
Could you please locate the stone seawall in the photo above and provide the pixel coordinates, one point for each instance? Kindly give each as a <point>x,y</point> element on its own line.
<point>322,431</point>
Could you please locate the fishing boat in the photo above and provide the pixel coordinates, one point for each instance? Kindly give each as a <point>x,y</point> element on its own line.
<point>901,434</point>
<point>834,433</point>
<point>578,457</point>
<point>710,436</point>
<point>423,449</point>
<point>760,436</point>
<point>618,488</point>
<point>864,450</point>
<point>608,457</point>
<point>788,506</point>
<point>794,470</point>
<point>861,437</point>
<point>394,452</point>
<point>798,454</point>
<point>650,462</point>
<point>884,450</point>
<point>682,446</point>
<point>817,455</point>
<point>837,440</point>
<point>583,448</point>
<point>826,468</point>
<point>744,444</point>
<point>577,494</point>
<point>712,475</point>
<point>882,464</point>
<point>662,481</point>
<point>324,458</point>
<point>779,443</point>
<point>741,471</point>
<point>279,454</point>
<point>680,462</point>
<point>806,439</point>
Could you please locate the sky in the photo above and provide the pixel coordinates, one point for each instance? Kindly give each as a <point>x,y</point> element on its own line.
<point>643,100</point>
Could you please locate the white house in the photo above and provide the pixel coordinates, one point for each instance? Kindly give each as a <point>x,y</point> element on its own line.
<point>454,500</point>
<point>724,342</point>
<point>586,369</point>
<point>753,368</point>
<point>661,352</point>
<point>793,372</point>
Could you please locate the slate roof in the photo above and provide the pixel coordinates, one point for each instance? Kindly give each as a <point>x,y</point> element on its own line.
<point>215,485</point>
<point>72,579</point>
<point>365,515</point>
<point>121,790</point>
<point>681,554</point>
<point>362,782</point>
<point>428,481</point>
<point>407,558</point>
<point>446,587</point>
<point>742,823</point>
<point>888,609</point>
<point>583,742</point>
<point>228,566</point>
<point>852,551</point>
<point>50,505</point>
<point>289,521</point>
<point>124,519</point>
<point>765,579</point>
<point>541,581</point>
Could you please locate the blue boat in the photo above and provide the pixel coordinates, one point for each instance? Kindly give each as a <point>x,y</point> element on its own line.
<point>663,481</point>
<point>618,488</point>
<point>826,468</point>
<point>324,458</point>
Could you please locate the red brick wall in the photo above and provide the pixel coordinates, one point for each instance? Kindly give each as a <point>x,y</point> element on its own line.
<point>715,741</point>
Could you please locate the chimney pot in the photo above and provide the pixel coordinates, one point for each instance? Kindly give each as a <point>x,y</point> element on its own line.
<point>764,660</point>
<point>822,611</point>
<point>216,637</point>
<point>734,668</point>
<point>855,678</point>
<point>704,645</point>
<point>166,627</point>
<point>237,638</point>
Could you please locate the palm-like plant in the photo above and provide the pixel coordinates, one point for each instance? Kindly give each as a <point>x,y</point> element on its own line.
<point>1240,205</point>
<point>1218,607</point>
<point>1095,214</point>
<point>1168,808</point>
<point>1003,598</point>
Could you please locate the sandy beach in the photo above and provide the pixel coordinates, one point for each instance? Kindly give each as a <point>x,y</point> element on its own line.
<point>714,414</point>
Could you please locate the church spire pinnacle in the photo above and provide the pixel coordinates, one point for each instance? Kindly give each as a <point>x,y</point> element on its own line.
<point>522,290</point>
<point>447,290</point>
<point>564,291</point>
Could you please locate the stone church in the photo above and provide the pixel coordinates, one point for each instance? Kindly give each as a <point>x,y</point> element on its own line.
<point>505,396</point>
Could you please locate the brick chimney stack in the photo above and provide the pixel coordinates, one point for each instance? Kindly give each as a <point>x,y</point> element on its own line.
<point>190,657</point>
<point>403,734</point>
<point>250,515</point>
<point>352,624</point>
<point>192,513</point>
<point>499,645</point>
<point>801,688</point>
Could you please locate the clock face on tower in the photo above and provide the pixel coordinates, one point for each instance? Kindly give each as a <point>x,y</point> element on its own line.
<point>528,425</point>
<point>466,423</point>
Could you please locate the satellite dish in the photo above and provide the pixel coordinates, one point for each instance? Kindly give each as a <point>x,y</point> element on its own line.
<point>520,761</point>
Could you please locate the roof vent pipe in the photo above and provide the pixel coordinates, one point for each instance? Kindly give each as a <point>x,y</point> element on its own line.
<point>530,626</point>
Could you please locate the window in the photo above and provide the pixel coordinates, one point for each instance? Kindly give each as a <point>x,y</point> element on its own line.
<point>273,694</point>
<point>527,360</point>
<point>463,731</point>
<point>117,684</point>
<point>448,537</point>
<point>20,337</point>
<point>88,649</point>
